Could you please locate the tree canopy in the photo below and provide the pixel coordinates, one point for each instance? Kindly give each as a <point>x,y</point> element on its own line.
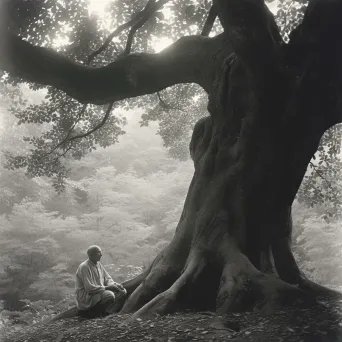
<point>72,128</point>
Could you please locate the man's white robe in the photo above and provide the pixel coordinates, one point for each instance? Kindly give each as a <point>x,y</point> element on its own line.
<point>91,280</point>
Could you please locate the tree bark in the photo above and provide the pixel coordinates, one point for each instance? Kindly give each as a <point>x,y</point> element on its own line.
<point>269,104</point>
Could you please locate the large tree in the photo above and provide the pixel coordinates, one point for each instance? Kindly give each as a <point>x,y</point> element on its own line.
<point>270,101</point>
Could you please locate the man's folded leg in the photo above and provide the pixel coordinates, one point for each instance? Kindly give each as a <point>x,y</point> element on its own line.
<point>119,300</point>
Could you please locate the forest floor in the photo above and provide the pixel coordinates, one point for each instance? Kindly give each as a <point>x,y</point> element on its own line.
<point>319,323</point>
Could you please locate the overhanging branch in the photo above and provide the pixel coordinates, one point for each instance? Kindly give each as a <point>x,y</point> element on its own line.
<point>137,21</point>
<point>129,76</point>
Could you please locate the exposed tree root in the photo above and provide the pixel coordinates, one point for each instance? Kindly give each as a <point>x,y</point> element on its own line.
<point>165,270</point>
<point>275,283</point>
<point>159,279</point>
<point>72,312</point>
<point>245,288</point>
<point>289,271</point>
<point>132,284</point>
<point>167,301</point>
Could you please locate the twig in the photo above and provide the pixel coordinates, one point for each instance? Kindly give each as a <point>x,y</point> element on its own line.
<point>68,134</point>
<point>167,106</point>
<point>151,7</point>
<point>319,174</point>
<point>62,154</point>
<point>110,38</point>
<point>131,34</point>
<point>98,126</point>
<point>163,103</point>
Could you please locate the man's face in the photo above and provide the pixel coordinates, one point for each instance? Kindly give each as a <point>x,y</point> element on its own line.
<point>96,255</point>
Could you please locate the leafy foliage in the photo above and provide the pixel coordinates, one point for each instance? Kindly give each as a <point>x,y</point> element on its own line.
<point>289,15</point>
<point>322,183</point>
<point>69,27</point>
<point>128,205</point>
<point>317,245</point>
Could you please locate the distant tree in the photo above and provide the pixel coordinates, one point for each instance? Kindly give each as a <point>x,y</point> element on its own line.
<point>21,271</point>
<point>270,99</point>
<point>32,246</point>
<point>54,284</point>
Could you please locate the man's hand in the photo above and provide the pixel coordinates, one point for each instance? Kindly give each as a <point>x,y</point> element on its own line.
<point>121,288</point>
<point>115,287</point>
<point>110,287</point>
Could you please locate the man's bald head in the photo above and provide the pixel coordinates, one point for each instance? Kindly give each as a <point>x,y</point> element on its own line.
<point>93,249</point>
<point>94,253</point>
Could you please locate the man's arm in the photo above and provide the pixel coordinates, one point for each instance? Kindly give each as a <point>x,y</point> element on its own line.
<point>109,282</point>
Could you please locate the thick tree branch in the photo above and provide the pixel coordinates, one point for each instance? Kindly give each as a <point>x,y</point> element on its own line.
<point>315,53</point>
<point>322,22</point>
<point>185,61</point>
<point>318,31</point>
<point>251,28</point>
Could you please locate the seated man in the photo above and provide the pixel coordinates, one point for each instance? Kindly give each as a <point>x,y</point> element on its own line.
<point>95,289</point>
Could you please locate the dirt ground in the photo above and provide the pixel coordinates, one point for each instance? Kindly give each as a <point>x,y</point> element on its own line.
<point>319,323</point>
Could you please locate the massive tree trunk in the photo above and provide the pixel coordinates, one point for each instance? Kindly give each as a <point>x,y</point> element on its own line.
<point>269,105</point>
